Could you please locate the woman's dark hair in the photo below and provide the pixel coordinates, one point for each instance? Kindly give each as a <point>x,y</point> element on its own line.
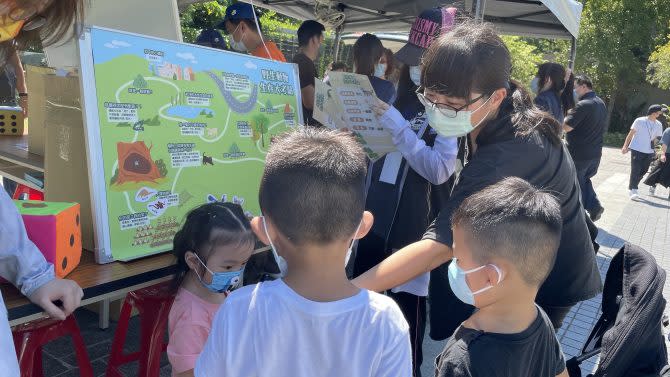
<point>338,65</point>
<point>390,62</point>
<point>567,99</point>
<point>473,58</point>
<point>368,49</point>
<point>206,227</point>
<point>552,71</point>
<point>58,16</point>
<point>406,90</point>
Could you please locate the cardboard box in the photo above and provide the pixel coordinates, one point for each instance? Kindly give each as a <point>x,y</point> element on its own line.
<point>66,169</point>
<point>36,80</point>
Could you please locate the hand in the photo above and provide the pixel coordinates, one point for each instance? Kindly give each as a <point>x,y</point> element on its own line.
<point>67,291</point>
<point>624,150</point>
<point>379,107</point>
<point>663,158</point>
<point>23,102</point>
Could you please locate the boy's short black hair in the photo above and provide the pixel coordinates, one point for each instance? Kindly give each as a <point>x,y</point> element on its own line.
<point>584,80</point>
<point>308,30</point>
<point>514,221</point>
<point>313,186</point>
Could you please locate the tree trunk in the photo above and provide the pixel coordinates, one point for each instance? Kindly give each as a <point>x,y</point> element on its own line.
<point>610,110</point>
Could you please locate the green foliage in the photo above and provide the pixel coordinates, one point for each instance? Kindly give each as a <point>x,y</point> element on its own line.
<point>525,58</point>
<point>614,139</point>
<point>658,71</point>
<point>201,16</point>
<point>261,124</point>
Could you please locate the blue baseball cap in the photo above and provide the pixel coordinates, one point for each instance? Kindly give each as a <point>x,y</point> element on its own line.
<point>237,11</point>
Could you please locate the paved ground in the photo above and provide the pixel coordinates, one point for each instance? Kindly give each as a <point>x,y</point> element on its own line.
<point>644,223</point>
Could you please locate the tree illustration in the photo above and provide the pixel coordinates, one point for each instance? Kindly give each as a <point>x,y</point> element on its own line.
<point>261,123</point>
<point>203,112</point>
<point>174,76</point>
<point>268,105</point>
<point>234,149</point>
<point>139,82</point>
<point>154,121</point>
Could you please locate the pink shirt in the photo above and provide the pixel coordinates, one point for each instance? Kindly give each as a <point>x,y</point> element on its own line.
<point>189,323</point>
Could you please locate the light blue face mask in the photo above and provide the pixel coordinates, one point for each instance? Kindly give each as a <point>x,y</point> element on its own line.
<point>456,126</point>
<point>415,74</point>
<point>380,70</point>
<point>459,285</point>
<point>535,85</point>
<point>575,95</point>
<point>221,281</point>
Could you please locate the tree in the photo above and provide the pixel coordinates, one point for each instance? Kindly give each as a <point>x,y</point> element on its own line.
<point>261,123</point>
<point>139,82</point>
<point>616,40</point>
<point>525,58</point>
<point>234,149</point>
<point>268,105</point>
<point>658,71</point>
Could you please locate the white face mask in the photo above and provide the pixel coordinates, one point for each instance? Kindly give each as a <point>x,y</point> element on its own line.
<point>380,70</point>
<point>351,245</point>
<point>457,126</point>
<point>415,74</point>
<point>281,262</point>
<point>235,45</point>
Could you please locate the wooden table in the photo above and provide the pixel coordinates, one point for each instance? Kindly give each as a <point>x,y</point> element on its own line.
<point>100,282</point>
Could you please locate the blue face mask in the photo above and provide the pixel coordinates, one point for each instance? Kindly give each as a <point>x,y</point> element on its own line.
<point>535,85</point>
<point>459,284</point>
<point>380,70</point>
<point>575,95</point>
<point>221,281</point>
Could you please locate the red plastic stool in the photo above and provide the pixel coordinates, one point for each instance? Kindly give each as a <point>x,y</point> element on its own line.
<point>30,337</point>
<point>153,304</point>
<point>22,191</point>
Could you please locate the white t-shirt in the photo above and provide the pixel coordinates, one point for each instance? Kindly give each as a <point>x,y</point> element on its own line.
<point>269,330</point>
<point>645,131</point>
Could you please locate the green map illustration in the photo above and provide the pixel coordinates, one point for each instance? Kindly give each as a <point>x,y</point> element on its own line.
<point>182,125</point>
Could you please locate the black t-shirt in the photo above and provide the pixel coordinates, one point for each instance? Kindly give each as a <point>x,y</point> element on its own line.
<point>307,72</point>
<point>589,121</point>
<point>534,352</point>
<point>501,153</point>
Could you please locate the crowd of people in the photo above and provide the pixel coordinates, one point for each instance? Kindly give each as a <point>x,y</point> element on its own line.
<point>488,220</point>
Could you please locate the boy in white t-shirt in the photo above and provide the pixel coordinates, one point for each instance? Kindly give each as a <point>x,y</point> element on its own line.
<point>640,141</point>
<point>313,321</point>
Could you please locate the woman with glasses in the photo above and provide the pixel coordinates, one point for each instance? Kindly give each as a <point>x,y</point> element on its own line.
<point>403,204</point>
<point>467,90</point>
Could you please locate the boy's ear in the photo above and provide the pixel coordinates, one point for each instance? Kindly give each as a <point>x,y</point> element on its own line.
<point>366,225</point>
<point>259,230</point>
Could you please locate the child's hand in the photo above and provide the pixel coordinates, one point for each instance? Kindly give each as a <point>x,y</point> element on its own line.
<point>67,291</point>
<point>379,107</point>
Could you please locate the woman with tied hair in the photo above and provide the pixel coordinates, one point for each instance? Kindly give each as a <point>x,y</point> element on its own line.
<point>553,86</point>
<point>466,89</point>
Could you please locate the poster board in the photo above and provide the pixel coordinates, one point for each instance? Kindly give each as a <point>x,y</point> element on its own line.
<point>345,103</point>
<point>170,126</point>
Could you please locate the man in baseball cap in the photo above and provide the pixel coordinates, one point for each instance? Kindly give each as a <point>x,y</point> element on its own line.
<point>243,28</point>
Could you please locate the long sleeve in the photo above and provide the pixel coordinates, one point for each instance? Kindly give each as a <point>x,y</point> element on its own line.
<point>20,261</point>
<point>436,164</point>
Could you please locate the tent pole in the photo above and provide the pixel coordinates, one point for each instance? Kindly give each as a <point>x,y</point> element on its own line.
<point>478,9</point>
<point>338,38</point>
<point>573,53</point>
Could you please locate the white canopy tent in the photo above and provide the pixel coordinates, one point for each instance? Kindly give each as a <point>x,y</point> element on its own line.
<point>532,18</point>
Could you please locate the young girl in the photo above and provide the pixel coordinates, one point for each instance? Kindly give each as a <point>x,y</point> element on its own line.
<point>212,250</point>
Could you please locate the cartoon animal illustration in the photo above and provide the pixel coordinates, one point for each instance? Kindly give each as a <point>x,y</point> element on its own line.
<point>207,160</point>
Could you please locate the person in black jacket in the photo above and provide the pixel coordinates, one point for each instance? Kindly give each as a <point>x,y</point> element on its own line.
<point>554,90</point>
<point>508,137</point>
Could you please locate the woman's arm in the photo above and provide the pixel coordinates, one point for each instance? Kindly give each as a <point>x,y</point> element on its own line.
<point>435,164</point>
<point>15,63</point>
<point>404,265</point>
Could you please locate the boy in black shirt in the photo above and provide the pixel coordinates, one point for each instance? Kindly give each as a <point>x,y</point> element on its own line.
<point>505,242</point>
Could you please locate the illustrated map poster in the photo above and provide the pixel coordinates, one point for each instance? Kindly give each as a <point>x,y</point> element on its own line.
<point>345,103</point>
<point>179,125</point>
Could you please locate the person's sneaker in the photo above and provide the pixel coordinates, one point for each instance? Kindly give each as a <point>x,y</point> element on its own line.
<point>596,213</point>
<point>634,195</point>
<point>652,190</point>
